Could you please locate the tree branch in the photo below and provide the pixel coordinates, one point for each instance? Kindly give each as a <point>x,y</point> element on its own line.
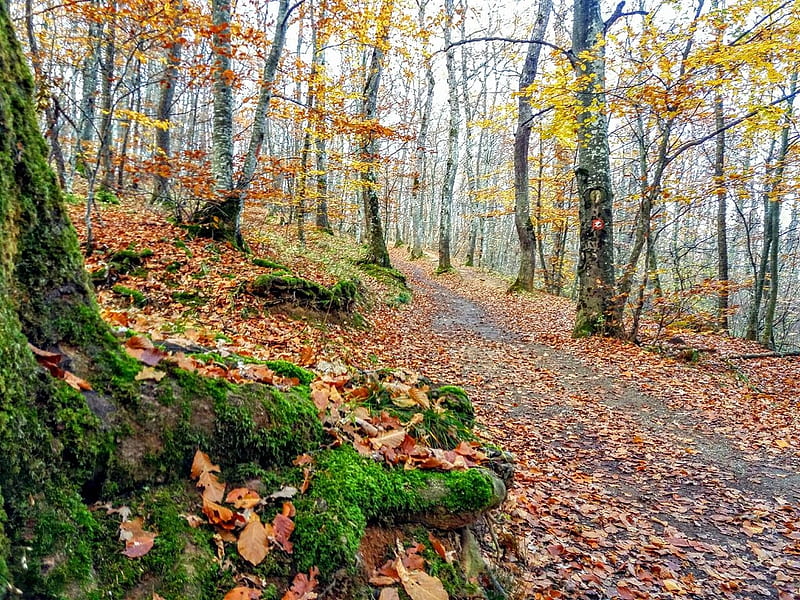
<point>684,147</point>
<point>618,14</point>
<point>568,53</point>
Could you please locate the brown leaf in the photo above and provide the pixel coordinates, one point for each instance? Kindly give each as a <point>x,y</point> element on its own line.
<point>393,439</point>
<point>142,349</point>
<point>253,544</point>
<point>243,593</point>
<point>201,464</point>
<point>389,594</point>
<point>283,526</point>
<point>303,586</point>
<point>243,498</point>
<point>419,585</point>
<point>213,488</point>
<point>137,541</point>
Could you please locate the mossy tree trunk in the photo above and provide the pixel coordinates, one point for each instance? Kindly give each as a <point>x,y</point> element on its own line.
<point>45,300</point>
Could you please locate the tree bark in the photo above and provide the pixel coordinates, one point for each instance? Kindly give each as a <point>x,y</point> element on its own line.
<point>162,188</point>
<point>451,166</point>
<point>376,243</point>
<point>522,206</point>
<point>597,309</point>
<point>45,300</point>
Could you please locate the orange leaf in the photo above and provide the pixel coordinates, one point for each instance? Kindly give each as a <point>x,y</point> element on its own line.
<point>243,498</point>
<point>253,544</point>
<point>219,515</point>
<point>201,464</point>
<point>213,488</point>
<point>243,593</point>
<point>438,546</point>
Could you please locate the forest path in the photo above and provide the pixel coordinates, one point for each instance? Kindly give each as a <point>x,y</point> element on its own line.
<point>619,493</point>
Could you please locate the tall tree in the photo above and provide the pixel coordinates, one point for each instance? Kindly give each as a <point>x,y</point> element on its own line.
<point>597,309</point>
<point>368,148</point>
<point>451,165</point>
<point>162,191</point>
<point>522,206</point>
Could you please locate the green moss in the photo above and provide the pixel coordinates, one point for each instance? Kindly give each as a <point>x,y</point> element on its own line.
<point>189,298</point>
<point>182,245</point>
<point>303,292</point>
<point>444,425</point>
<point>105,196</point>
<point>387,274</point>
<point>270,264</point>
<point>349,490</point>
<point>134,296</point>
<point>264,425</point>
<point>287,369</point>
<point>455,399</point>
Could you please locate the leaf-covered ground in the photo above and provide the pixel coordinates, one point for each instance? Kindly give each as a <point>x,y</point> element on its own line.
<point>639,475</point>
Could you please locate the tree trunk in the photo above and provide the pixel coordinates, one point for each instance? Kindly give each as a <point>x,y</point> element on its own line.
<point>45,300</point>
<point>221,217</point>
<point>376,244</point>
<point>522,206</point>
<point>774,232</point>
<point>162,190</point>
<point>451,166</point>
<point>597,309</point>
<point>420,159</point>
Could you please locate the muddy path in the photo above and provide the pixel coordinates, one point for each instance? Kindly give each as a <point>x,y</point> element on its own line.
<point>619,494</point>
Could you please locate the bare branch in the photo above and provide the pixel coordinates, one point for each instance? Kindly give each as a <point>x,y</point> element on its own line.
<point>568,53</point>
<point>684,147</point>
<point>618,14</point>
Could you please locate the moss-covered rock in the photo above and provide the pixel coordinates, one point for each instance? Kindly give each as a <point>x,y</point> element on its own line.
<point>349,490</point>
<point>303,292</point>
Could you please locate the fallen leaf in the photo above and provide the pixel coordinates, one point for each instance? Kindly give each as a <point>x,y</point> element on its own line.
<point>243,498</point>
<point>213,488</point>
<point>419,585</point>
<point>389,594</point>
<point>253,544</point>
<point>150,373</point>
<point>303,586</point>
<point>137,541</point>
<point>285,493</point>
<point>283,526</point>
<point>243,593</point>
<point>201,464</point>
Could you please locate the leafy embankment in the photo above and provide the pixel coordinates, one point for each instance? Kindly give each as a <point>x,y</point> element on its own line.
<point>315,458</point>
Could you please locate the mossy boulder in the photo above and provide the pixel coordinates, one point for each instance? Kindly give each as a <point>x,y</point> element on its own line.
<point>349,491</point>
<point>303,292</point>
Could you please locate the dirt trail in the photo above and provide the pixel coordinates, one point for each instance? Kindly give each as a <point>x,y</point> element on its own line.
<point>619,494</point>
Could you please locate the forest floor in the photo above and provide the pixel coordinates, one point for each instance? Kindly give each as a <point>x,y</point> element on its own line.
<point>638,475</point>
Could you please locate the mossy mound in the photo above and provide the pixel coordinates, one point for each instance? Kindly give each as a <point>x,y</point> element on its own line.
<point>303,292</point>
<point>124,262</point>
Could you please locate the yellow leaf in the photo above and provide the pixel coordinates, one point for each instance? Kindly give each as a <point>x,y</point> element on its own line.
<point>149,373</point>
